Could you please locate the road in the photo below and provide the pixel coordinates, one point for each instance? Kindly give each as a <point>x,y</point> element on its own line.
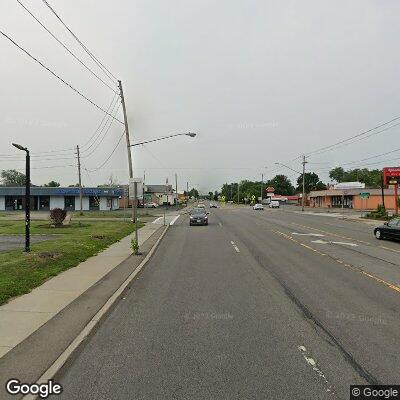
<point>258,305</point>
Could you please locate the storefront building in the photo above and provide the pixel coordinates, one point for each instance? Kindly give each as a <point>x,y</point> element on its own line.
<point>48,198</point>
<point>358,199</point>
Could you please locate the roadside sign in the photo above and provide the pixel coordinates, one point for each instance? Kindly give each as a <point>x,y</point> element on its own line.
<point>364,195</point>
<point>270,189</point>
<point>391,175</point>
<point>223,198</point>
<point>139,183</point>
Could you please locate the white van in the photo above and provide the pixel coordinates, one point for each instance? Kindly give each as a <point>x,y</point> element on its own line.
<point>274,204</point>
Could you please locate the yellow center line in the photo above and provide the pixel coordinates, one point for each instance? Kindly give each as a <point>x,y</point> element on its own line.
<point>339,261</point>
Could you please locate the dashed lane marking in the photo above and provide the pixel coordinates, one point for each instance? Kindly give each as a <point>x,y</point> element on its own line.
<point>235,247</point>
<point>313,364</point>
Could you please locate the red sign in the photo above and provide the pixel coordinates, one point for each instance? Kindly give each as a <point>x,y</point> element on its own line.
<point>391,175</point>
<point>270,189</point>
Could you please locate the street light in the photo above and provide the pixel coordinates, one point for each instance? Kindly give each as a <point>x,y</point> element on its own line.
<point>27,196</point>
<point>190,134</point>
<point>303,175</point>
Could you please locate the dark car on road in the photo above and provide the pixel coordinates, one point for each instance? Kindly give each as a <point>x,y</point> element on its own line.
<point>198,216</point>
<point>389,230</point>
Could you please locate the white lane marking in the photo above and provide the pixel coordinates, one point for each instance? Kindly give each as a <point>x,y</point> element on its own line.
<point>308,234</point>
<point>219,223</point>
<point>310,361</point>
<point>158,220</point>
<point>343,243</point>
<point>235,247</point>
<point>173,221</point>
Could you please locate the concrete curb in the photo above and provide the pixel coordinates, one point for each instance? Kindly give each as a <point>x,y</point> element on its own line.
<point>62,359</point>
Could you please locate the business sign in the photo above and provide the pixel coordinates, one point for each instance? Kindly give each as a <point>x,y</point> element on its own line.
<point>391,175</point>
<point>364,195</point>
<point>270,189</point>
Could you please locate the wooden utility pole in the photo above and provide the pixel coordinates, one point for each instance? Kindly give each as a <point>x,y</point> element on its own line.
<point>128,148</point>
<point>80,181</point>
<point>304,180</point>
<point>262,184</point>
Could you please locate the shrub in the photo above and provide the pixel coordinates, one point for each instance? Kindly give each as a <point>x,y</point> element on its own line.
<point>379,213</point>
<point>57,216</point>
<point>135,246</point>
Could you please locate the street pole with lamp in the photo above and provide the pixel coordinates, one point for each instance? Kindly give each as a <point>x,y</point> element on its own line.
<point>262,184</point>
<point>190,134</point>
<point>27,196</point>
<point>298,172</point>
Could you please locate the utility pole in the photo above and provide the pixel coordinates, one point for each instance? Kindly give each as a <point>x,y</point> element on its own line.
<point>262,184</point>
<point>238,193</point>
<point>231,192</point>
<point>304,183</point>
<point>80,181</point>
<point>128,147</point>
<point>176,190</point>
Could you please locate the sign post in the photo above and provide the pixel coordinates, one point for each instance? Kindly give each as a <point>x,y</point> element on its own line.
<point>391,176</point>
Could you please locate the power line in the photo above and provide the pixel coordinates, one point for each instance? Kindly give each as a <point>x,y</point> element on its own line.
<point>105,129</point>
<point>359,135</point>
<point>108,158</point>
<point>57,76</point>
<point>64,46</point>
<point>92,56</point>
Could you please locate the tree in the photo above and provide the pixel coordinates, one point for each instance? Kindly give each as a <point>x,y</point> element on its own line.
<point>371,178</point>
<point>210,195</point>
<point>12,177</point>
<point>194,193</point>
<point>52,184</point>
<point>337,174</point>
<point>311,182</point>
<point>281,184</point>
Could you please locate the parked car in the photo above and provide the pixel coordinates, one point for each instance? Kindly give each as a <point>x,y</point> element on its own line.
<point>151,205</point>
<point>389,230</point>
<point>258,206</point>
<point>274,204</point>
<point>198,216</point>
<point>213,205</point>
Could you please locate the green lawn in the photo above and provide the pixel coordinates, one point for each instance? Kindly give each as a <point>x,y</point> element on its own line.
<point>20,272</point>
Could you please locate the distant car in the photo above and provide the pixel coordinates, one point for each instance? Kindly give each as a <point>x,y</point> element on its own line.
<point>389,230</point>
<point>213,205</point>
<point>274,204</point>
<point>198,216</point>
<point>151,205</point>
<point>258,206</point>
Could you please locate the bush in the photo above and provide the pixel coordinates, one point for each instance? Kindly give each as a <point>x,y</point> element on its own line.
<point>135,246</point>
<point>57,216</point>
<point>379,213</point>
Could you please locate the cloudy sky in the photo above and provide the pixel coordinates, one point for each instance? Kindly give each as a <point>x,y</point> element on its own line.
<point>259,81</point>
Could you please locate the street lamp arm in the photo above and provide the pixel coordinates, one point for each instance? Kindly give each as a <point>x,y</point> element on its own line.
<point>163,138</point>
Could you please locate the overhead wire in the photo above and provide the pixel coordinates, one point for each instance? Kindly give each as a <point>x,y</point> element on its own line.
<point>105,70</point>
<point>56,76</point>
<point>65,47</point>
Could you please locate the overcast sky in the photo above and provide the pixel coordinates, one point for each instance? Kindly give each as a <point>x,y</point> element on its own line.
<point>259,81</point>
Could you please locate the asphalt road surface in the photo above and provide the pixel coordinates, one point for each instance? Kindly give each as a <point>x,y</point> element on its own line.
<point>258,305</point>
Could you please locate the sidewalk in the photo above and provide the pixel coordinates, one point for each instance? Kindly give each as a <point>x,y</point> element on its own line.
<point>25,314</point>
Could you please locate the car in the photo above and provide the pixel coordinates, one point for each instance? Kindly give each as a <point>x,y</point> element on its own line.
<point>274,204</point>
<point>258,206</point>
<point>151,205</point>
<point>389,230</point>
<point>198,216</point>
<point>213,205</point>
<point>201,205</point>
